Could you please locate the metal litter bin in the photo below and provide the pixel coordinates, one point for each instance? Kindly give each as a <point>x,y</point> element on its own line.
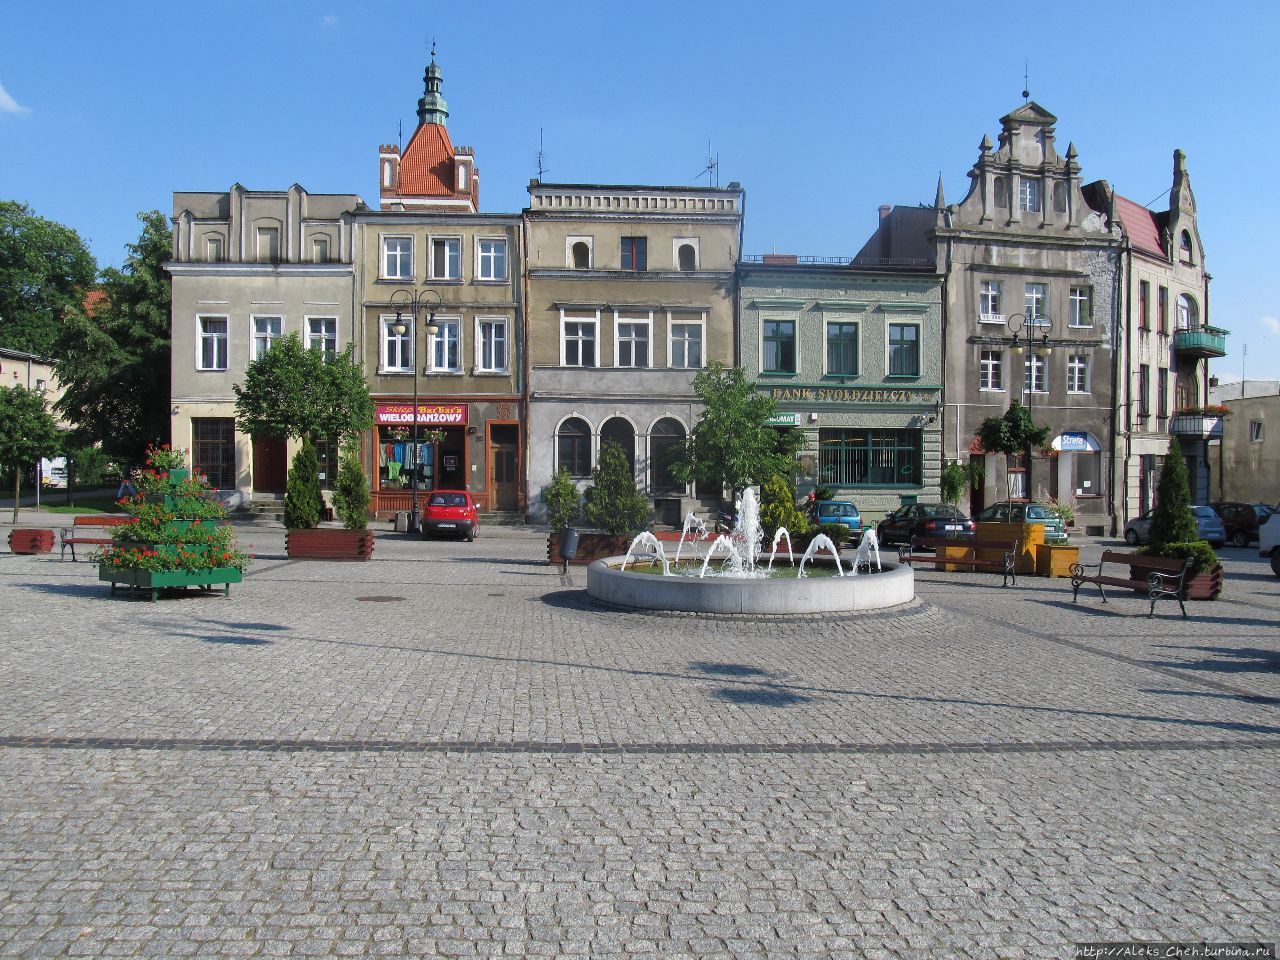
<point>402,521</point>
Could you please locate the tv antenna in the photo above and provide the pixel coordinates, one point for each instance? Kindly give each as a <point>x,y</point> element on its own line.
<point>712,169</point>
<point>1026,81</point>
<point>400,134</point>
<point>542,157</point>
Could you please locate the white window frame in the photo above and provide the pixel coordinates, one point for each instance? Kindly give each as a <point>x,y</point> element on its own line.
<point>1029,199</point>
<point>826,322</point>
<point>1034,314</point>
<point>481,257</point>
<point>991,371</point>
<point>480,342</point>
<point>675,319</point>
<point>677,243</point>
<point>406,349</point>
<point>1080,306</point>
<point>1257,431</point>
<point>384,263</point>
<point>1030,361</point>
<point>432,240</point>
<point>595,338</point>
<point>254,335</point>
<point>1078,364</point>
<point>591,252</point>
<point>310,336</point>
<point>642,318</point>
<point>893,322</point>
<point>201,336</point>
<point>444,323</point>
<point>990,297</point>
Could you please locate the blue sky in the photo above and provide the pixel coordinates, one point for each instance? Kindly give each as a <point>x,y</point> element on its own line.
<point>822,111</point>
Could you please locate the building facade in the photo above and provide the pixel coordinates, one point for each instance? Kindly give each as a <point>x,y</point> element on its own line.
<point>853,357</point>
<point>1246,462</point>
<point>629,292</point>
<point>1025,256</point>
<point>248,267</point>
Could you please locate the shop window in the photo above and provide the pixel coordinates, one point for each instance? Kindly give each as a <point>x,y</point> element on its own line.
<point>1087,467</point>
<point>619,430</point>
<point>573,447</point>
<point>399,461</point>
<point>213,450</point>
<point>883,458</point>
<point>666,440</point>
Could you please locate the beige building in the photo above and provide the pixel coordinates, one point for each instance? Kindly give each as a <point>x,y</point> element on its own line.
<point>1246,461</point>
<point>629,294</point>
<point>248,267</point>
<point>18,369</point>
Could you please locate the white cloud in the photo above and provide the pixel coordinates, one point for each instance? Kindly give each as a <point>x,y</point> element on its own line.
<point>1272,324</point>
<point>328,21</point>
<point>8,104</point>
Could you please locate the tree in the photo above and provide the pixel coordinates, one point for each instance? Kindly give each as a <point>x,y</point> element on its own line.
<point>732,446</point>
<point>302,498</point>
<point>113,360</point>
<point>1172,520</point>
<point>778,507</point>
<point>562,499</point>
<point>351,494</point>
<point>44,273</point>
<point>613,502</point>
<point>291,391</point>
<point>957,478</point>
<point>1011,433</point>
<point>27,433</point>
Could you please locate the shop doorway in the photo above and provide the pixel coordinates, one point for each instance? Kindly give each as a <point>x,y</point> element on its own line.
<point>269,465</point>
<point>452,464</point>
<point>504,466</point>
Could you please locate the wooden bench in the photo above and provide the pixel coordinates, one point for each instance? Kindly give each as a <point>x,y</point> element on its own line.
<point>1154,576</point>
<point>1004,564</point>
<point>103,522</point>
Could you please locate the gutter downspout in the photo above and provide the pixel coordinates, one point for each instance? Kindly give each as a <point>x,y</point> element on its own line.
<point>1124,255</point>
<point>737,278</point>
<point>525,393</point>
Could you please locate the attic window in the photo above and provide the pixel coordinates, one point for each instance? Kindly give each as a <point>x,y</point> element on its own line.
<point>688,257</point>
<point>1184,247</point>
<point>386,174</point>
<point>1029,195</point>
<point>1002,191</point>
<point>581,255</point>
<point>462,177</point>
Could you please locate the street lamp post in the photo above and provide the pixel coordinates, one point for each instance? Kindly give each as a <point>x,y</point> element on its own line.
<point>1023,340</point>
<point>414,303</point>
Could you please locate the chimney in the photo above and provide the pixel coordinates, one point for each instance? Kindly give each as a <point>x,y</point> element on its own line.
<point>885,246</point>
<point>780,259</point>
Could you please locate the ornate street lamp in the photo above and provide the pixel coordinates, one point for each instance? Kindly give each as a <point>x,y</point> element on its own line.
<point>1022,340</point>
<point>414,303</point>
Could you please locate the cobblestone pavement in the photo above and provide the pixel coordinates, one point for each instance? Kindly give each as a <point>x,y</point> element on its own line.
<point>450,751</point>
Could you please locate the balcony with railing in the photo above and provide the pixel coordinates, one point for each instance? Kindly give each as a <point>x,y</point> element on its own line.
<point>1205,424</point>
<point>1200,341</point>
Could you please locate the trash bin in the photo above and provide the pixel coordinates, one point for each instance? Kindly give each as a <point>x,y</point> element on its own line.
<point>402,521</point>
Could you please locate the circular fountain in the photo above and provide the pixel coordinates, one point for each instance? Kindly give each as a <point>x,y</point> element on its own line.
<point>741,583</point>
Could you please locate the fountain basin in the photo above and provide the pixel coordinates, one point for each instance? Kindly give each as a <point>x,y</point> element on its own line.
<point>894,585</point>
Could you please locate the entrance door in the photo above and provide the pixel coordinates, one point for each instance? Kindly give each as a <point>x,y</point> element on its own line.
<point>504,462</point>
<point>269,465</point>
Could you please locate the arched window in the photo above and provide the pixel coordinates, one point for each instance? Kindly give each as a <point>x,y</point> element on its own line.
<point>1002,191</point>
<point>688,257</point>
<point>1188,315</point>
<point>1184,247</point>
<point>581,256</point>
<point>618,430</point>
<point>665,439</point>
<point>573,447</point>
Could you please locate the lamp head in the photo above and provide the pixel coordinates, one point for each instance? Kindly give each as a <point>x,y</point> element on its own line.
<point>398,325</point>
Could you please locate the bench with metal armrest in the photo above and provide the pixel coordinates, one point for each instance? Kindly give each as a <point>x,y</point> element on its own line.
<point>1157,577</point>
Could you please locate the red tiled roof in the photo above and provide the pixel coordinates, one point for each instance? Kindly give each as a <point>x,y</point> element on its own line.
<point>92,300</point>
<point>426,169</point>
<point>1141,226</point>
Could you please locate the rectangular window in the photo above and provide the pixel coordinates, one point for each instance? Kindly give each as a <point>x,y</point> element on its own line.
<point>397,258</point>
<point>686,346</point>
<point>213,343</point>
<point>322,332</point>
<point>887,458</point>
<point>493,346</point>
<point>213,249</point>
<point>493,260</point>
<point>578,345</point>
<point>397,348</point>
<point>991,370</point>
<point>213,450</point>
<point>779,346</point>
<point>1162,310</point>
<point>842,349</point>
<point>1078,373</point>
<point>1029,195</point>
<point>1162,392</point>
<point>1144,305</point>
<point>633,343</point>
<point>989,302</point>
<point>446,258</point>
<point>444,347</point>
<point>1033,378</point>
<point>1036,303</point>
<point>266,330</point>
<point>1255,431</point>
<point>1088,474</point>
<point>268,244</point>
<point>904,350</point>
<point>1081,304</point>
<point>320,250</point>
<point>1144,391</point>
<point>634,253</point>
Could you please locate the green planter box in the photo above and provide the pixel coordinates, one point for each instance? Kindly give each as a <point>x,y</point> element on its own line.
<point>155,580</point>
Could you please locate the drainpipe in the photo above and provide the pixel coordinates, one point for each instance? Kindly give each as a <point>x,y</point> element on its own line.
<point>737,285</point>
<point>527,419</point>
<point>1124,255</point>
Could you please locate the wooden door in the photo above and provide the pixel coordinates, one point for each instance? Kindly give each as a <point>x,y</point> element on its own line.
<point>504,466</point>
<point>269,465</point>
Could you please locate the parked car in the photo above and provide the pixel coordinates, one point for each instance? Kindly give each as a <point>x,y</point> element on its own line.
<point>923,519</point>
<point>1242,520</point>
<point>839,511</point>
<point>1208,527</point>
<point>1017,511</point>
<point>1269,541</point>
<point>451,512</point>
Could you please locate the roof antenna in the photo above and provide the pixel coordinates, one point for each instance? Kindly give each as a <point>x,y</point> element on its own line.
<point>1026,81</point>
<point>400,134</point>
<point>712,168</point>
<point>433,49</point>
<point>542,157</point>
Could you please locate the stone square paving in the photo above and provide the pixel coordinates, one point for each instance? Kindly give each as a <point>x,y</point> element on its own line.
<point>451,751</point>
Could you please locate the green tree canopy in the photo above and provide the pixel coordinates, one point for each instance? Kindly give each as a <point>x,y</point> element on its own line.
<point>291,391</point>
<point>732,446</point>
<point>613,502</point>
<point>1014,431</point>
<point>44,273</point>
<point>27,433</point>
<point>114,364</point>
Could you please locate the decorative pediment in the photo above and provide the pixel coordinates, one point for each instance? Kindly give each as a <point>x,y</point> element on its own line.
<point>1030,112</point>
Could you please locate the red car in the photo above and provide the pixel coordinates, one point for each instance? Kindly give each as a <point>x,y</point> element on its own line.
<point>451,512</point>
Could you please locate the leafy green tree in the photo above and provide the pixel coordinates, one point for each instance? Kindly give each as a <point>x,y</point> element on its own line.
<point>114,361</point>
<point>778,508</point>
<point>957,478</point>
<point>732,446</point>
<point>302,497</point>
<point>563,500</point>
<point>613,502</point>
<point>291,391</point>
<point>1172,520</point>
<point>45,270</point>
<point>351,494</point>
<point>1011,433</point>
<point>27,433</point>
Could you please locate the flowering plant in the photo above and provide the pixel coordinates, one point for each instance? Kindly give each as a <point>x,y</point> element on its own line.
<point>176,557</point>
<point>1208,410</point>
<point>165,458</point>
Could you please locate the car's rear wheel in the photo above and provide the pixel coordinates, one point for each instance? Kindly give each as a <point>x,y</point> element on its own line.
<point>1240,539</point>
<point>1131,537</point>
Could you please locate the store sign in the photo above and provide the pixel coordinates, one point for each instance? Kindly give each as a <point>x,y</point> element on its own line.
<point>436,414</point>
<point>1067,442</point>
<point>783,420</point>
<point>845,395</point>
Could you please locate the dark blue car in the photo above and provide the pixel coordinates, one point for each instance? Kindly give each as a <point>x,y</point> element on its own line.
<point>840,511</point>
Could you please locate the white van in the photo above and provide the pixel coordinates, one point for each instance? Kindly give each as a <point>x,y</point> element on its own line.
<point>1269,541</point>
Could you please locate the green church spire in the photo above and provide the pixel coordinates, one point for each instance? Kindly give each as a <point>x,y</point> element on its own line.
<point>432,107</point>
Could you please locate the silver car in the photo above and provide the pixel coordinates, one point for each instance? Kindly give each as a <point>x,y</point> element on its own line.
<point>1208,526</point>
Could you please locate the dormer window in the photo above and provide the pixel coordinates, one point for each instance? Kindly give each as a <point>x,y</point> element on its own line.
<point>1029,196</point>
<point>1184,247</point>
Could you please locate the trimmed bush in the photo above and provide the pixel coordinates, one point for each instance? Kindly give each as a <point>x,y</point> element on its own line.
<point>838,532</point>
<point>778,508</point>
<point>1202,557</point>
<point>614,505</point>
<point>563,500</point>
<point>351,495</point>
<point>302,499</point>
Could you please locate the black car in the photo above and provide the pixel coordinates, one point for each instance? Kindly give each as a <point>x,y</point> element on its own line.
<point>1242,520</point>
<point>923,520</point>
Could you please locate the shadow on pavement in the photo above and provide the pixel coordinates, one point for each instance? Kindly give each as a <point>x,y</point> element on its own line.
<point>1239,660</point>
<point>1128,607</point>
